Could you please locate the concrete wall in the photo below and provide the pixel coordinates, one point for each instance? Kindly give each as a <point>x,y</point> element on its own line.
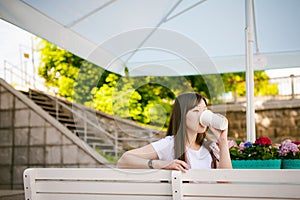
<point>278,120</point>
<point>29,137</point>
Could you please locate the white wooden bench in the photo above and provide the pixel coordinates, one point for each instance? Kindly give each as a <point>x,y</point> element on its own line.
<point>118,184</point>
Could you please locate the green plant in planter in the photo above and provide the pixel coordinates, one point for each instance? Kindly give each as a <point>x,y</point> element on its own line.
<point>261,149</point>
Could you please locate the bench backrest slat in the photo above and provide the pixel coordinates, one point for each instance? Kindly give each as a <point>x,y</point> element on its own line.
<point>99,174</point>
<point>90,187</point>
<point>115,184</point>
<point>99,197</point>
<point>246,175</point>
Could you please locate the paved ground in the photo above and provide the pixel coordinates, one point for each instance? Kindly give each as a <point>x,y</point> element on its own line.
<point>12,195</point>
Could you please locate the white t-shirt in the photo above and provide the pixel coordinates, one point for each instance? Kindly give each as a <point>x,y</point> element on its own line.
<point>198,159</point>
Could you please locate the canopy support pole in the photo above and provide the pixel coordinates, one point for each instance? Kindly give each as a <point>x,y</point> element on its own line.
<point>250,111</point>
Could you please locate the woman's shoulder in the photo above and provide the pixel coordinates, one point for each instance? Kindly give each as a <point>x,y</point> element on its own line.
<point>169,137</point>
<point>165,140</point>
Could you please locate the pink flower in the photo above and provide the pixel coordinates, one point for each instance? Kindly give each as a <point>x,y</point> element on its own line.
<point>288,146</point>
<point>242,146</point>
<point>232,143</point>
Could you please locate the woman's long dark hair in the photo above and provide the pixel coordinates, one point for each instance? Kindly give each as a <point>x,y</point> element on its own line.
<point>177,126</point>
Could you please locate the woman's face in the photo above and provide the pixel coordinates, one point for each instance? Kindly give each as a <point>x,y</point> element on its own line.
<point>192,118</point>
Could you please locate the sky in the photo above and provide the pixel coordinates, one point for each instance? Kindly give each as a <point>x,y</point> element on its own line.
<point>15,42</point>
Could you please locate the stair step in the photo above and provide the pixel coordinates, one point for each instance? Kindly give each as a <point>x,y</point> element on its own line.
<point>73,126</point>
<point>94,137</point>
<point>90,140</point>
<point>38,98</point>
<point>35,96</point>
<point>95,133</point>
<point>61,115</point>
<point>50,109</point>
<point>65,120</point>
<point>110,152</point>
<point>45,103</point>
<point>102,146</point>
<point>81,134</point>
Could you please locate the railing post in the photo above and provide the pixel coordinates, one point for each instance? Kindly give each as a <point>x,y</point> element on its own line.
<point>11,75</point>
<point>84,126</point>
<point>234,92</point>
<point>292,85</point>
<point>149,136</point>
<point>56,106</point>
<point>4,72</point>
<point>116,143</point>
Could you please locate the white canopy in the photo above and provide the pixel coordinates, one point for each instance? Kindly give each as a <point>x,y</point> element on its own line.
<point>163,37</point>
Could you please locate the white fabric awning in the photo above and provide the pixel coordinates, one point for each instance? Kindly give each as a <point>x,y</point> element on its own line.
<point>163,37</point>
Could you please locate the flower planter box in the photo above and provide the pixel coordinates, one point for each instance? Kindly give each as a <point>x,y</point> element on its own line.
<point>291,164</point>
<point>256,164</point>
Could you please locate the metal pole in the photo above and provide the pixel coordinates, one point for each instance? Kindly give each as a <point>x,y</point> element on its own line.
<point>250,111</point>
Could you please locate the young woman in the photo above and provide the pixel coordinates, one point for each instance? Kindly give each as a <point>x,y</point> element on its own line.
<point>185,146</point>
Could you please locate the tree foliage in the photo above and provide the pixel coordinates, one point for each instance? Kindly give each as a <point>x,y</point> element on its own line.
<point>146,100</point>
<point>73,76</point>
<point>236,83</point>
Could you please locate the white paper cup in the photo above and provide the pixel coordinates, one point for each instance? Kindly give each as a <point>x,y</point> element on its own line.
<point>208,118</point>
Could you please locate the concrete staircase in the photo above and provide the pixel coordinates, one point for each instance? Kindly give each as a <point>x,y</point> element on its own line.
<point>66,118</point>
<point>107,135</point>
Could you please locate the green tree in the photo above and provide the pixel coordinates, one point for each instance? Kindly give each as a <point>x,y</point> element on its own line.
<point>58,67</point>
<point>74,77</point>
<point>211,86</point>
<point>158,94</point>
<point>147,100</point>
<point>262,85</point>
<point>122,103</point>
<point>236,83</point>
<point>88,78</point>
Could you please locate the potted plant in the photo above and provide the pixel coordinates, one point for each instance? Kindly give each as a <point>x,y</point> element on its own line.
<point>261,154</point>
<point>290,153</point>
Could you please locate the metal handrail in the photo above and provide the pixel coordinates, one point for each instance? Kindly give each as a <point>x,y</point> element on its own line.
<point>115,138</point>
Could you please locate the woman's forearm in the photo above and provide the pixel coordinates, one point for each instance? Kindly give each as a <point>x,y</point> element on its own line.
<point>137,158</point>
<point>225,161</point>
<point>131,161</point>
